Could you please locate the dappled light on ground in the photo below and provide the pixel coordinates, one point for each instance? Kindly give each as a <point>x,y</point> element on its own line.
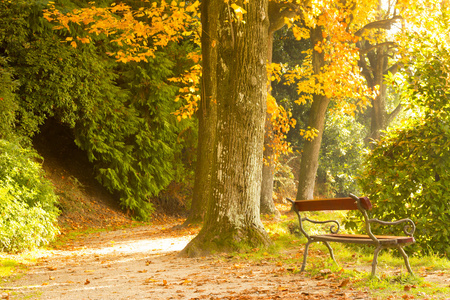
<point>143,263</point>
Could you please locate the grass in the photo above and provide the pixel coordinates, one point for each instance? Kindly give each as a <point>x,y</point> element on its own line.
<point>14,265</point>
<point>7,267</point>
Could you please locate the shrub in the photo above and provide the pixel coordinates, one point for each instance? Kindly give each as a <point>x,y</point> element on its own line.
<point>406,175</point>
<point>28,213</point>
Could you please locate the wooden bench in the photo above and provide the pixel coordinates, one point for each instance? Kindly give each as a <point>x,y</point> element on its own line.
<point>352,203</point>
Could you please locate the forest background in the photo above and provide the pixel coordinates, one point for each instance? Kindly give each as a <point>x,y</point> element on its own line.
<point>122,82</point>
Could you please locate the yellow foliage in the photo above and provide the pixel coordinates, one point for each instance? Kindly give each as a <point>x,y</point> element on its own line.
<point>339,79</point>
<point>137,40</point>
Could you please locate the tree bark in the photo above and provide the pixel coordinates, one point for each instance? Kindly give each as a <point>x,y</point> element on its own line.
<point>207,118</point>
<point>277,13</point>
<point>232,220</point>
<point>311,149</point>
<point>267,205</point>
<point>374,63</point>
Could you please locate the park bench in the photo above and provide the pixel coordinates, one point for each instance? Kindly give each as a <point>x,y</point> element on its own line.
<point>352,203</point>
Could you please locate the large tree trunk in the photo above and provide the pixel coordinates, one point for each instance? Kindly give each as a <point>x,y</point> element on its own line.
<point>232,220</point>
<point>311,149</point>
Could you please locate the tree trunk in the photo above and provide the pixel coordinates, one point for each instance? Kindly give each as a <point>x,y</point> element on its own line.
<point>374,64</point>
<point>268,170</point>
<point>277,13</point>
<point>232,220</point>
<point>378,60</point>
<point>267,205</point>
<point>311,149</point>
<point>207,118</point>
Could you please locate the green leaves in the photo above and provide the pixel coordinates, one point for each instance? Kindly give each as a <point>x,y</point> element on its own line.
<point>27,202</point>
<point>406,175</point>
<point>120,114</point>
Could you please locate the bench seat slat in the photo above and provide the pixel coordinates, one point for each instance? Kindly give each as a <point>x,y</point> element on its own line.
<point>364,239</point>
<point>346,203</point>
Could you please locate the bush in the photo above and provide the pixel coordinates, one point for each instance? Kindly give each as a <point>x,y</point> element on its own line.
<point>406,175</point>
<point>27,201</point>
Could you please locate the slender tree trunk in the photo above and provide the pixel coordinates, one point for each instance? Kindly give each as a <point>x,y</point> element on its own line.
<point>374,64</point>
<point>267,204</point>
<point>311,149</point>
<point>232,220</point>
<point>207,116</point>
<point>277,13</point>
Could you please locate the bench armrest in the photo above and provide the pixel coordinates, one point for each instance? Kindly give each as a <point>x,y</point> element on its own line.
<point>408,229</point>
<point>333,228</point>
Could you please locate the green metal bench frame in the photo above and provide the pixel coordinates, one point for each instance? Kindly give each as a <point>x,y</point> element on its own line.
<point>352,203</point>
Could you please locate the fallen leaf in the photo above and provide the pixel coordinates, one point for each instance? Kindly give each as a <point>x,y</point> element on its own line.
<point>149,280</point>
<point>282,288</point>
<point>186,282</point>
<point>344,283</point>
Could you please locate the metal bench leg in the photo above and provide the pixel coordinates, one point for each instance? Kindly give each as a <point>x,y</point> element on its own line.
<point>331,252</point>
<point>305,255</point>
<point>375,260</point>
<point>405,258</point>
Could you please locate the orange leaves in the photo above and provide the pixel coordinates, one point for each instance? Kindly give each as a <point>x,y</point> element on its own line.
<point>336,74</point>
<point>138,33</point>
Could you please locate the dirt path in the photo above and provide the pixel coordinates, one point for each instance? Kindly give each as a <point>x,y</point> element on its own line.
<point>142,263</point>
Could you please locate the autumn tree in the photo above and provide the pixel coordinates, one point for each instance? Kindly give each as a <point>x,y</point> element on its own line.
<point>330,73</point>
<point>235,52</point>
<point>377,60</point>
<point>407,170</point>
<point>105,71</point>
<point>276,117</point>
<point>278,12</point>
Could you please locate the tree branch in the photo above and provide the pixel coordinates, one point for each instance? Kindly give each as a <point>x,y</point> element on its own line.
<point>394,113</point>
<point>382,24</point>
<point>372,47</point>
<point>278,11</point>
<point>393,69</point>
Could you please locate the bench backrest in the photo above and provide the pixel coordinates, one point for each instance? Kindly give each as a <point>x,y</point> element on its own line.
<point>347,203</point>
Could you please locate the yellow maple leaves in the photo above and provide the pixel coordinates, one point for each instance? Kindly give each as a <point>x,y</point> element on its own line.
<point>137,33</point>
